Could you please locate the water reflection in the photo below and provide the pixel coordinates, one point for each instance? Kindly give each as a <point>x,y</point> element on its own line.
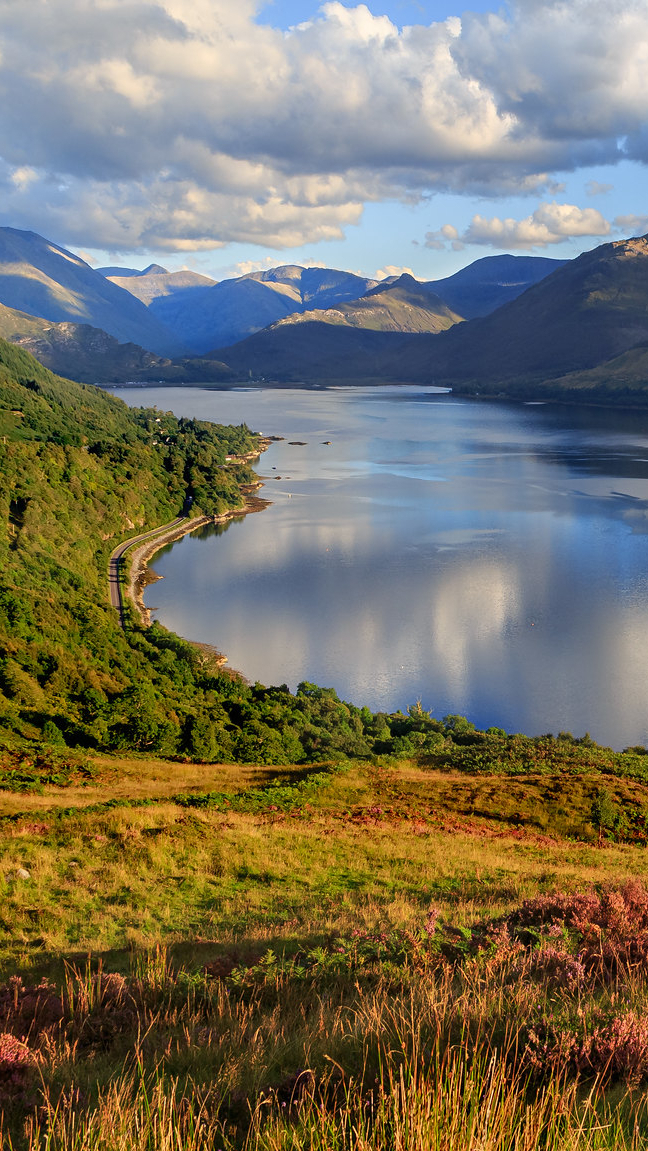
<point>486,558</point>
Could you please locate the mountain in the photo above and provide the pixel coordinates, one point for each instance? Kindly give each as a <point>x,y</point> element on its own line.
<point>316,352</point>
<point>155,281</point>
<point>209,317</point>
<point>488,283</point>
<point>587,312</point>
<point>317,287</point>
<point>401,305</point>
<point>590,310</point>
<point>79,351</point>
<point>41,279</point>
<point>205,315</point>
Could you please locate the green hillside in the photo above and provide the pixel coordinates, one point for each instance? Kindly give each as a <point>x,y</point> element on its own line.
<point>79,472</point>
<point>369,932</point>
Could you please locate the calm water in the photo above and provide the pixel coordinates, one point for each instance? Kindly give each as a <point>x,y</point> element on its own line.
<point>488,559</point>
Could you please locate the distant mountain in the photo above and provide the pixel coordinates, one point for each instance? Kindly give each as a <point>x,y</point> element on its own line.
<point>205,315</point>
<point>41,279</point>
<point>488,283</point>
<point>209,317</point>
<point>587,312</point>
<point>401,305</point>
<point>155,281</point>
<point>78,351</point>
<point>315,287</point>
<point>317,352</point>
<point>590,310</point>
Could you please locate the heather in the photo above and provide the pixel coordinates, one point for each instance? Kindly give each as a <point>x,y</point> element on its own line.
<point>335,958</point>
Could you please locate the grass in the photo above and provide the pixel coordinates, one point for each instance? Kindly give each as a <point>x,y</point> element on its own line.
<point>336,957</point>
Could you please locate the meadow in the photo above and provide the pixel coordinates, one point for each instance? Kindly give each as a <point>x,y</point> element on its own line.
<point>370,954</point>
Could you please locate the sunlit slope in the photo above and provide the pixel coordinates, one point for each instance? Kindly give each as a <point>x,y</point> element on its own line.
<point>583,314</point>
<point>79,351</point>
<point>42,279</point>
<point>78,472</point>
<point>400,306</point>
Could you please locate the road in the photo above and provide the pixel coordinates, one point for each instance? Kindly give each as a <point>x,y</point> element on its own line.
<point>118,553</point>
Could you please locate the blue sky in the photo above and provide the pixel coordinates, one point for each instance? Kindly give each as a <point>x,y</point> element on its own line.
<point>400,134</point>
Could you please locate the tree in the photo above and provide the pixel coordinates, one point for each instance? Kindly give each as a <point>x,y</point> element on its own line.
<point>606,815</point>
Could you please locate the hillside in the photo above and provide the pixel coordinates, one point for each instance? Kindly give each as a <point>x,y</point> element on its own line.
<point>234,916</point>
<point>223,957</point>
<point>589,311</point>
<point>487,284</point>
<point>79,351</point>
<point>402,305</point>
<point>579,317</point>
<point>316,352</point>
<point>80,471</point>
<point>155,281</point>
<point>38,277</point>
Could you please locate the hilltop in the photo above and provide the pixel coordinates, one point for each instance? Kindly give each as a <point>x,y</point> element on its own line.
<point>585,313</point>
<point>42,279</point>
<point>401,305</point>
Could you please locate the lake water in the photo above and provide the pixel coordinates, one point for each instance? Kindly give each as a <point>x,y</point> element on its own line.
<point>489,559</point>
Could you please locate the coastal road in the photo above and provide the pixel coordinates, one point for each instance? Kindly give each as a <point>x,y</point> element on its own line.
<point>117,554</point>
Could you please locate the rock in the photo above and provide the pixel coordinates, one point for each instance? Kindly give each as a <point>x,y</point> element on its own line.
<point>22,873</point>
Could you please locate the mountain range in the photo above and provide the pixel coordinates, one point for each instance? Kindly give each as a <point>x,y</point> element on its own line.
<point>513,325</point>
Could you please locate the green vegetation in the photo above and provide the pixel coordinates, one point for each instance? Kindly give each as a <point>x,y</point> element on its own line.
<point>80,472</point>
<point>236,917</point>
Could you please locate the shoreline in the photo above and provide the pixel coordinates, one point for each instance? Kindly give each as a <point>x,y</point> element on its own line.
<point>140,575</point>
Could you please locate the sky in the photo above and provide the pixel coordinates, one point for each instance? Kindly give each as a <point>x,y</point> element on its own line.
<point>231,135</point>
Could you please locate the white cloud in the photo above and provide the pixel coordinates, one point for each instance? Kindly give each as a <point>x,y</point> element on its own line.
<point>595,188</point>
<point>549,224</point>
<point>183,124</point>
<point>392,270</point>
<point>632,225</point>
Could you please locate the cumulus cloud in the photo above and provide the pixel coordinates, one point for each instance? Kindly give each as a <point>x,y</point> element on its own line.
<point>549,224</point>
<point>632,225</point>
<point>184,124</point>
<point>392,270</point>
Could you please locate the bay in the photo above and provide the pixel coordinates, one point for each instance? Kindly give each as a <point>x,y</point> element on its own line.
<point>486,558</point>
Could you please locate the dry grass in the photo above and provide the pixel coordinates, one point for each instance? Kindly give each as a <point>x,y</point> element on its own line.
<point>296,1000</point>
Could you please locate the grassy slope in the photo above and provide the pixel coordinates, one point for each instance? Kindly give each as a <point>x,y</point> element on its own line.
<point>299,974</point>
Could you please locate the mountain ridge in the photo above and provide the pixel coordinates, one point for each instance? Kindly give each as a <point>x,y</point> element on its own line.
<point>40,278</point>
